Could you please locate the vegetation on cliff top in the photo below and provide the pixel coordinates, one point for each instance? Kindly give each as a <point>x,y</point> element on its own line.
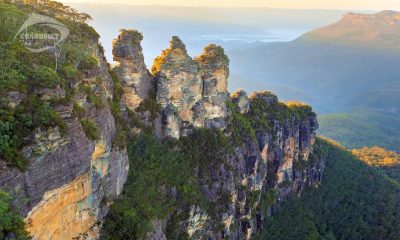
<point>24,74</point>
<point>354,201</point>
<point>265,111</point>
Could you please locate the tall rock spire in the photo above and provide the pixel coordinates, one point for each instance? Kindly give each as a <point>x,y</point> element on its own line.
<point>179,88</point>
<point>131,69</point>
<point>214,72</point>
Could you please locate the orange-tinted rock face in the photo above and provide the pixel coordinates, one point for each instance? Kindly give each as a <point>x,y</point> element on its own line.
<point>63,213</point>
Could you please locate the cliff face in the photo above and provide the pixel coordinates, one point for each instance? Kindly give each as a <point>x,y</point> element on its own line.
<point>71,179</point>
<point>258,175</point>
<point>264,168</point>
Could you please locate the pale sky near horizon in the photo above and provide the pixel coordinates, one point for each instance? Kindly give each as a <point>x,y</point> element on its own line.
<point>288,4</point>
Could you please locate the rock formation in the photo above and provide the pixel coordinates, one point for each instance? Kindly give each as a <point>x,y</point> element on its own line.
<point>192,92</point>
<point>131,69</point>
<point>214,73</point>
<point>262,171</point>
<point>241,99</point>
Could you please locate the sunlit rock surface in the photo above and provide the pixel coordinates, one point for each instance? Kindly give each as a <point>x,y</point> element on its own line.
<point>192,92</point>
<point>131,68</point>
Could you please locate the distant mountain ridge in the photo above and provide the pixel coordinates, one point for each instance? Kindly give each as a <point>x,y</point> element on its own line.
<point>380,30</point>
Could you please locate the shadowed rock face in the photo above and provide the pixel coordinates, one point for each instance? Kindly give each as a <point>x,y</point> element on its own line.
<point>192,92</point>
<point>251,168</point>
<point>131,69</point>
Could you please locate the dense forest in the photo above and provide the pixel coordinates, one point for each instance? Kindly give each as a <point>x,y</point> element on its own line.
<point>362,127</point>
<point>354,201</point>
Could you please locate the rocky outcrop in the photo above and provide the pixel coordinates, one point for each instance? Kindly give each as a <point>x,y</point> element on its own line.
<point>192,92</point>
<point>214,73</point>
<point>179,89</point>
<point>131,69</point>
<point>262,170</point>
<point>260,174</point>
<point>71,179</point>
<point>240,98</point>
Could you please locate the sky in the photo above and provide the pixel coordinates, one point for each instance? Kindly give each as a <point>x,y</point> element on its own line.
<point>288,4</point>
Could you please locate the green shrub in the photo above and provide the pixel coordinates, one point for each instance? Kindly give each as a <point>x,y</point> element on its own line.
<point>239,126</point>
<point>10,221</point>
<point>96,100</point>
<point>205,149</point>
<point>302,110</point>
<point>150,105</point>
<point>70,73</point>
<point>78,111</point>
<point>121,137</point>
<point>46,77</point>
<point>90,129</point>
<point>88,63</point>
<point>92,97</point>
<point>263,115</point>
<point>16,124</point>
